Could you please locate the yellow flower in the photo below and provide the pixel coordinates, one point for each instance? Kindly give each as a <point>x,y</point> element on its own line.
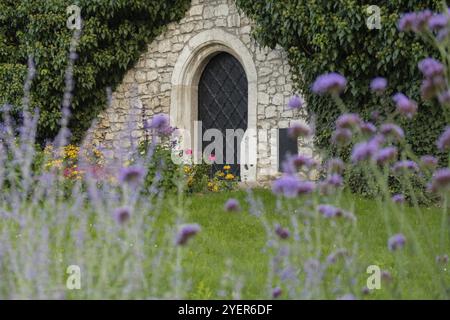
<point>210,184</point>
<point>187,169</point>
<point>216,188</point>
<point>220,174</point>
<point>226,167</point>
<point>229,177</point>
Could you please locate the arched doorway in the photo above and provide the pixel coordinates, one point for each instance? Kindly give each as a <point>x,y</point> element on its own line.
<point>223,105</point>
<point>184,106</point>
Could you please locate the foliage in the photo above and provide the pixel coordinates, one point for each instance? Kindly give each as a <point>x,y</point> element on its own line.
<point>114,33</point>
<point>324,36</point>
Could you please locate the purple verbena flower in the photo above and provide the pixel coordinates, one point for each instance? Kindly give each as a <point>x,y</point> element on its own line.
<point>443,142</point>
<point>332,83</point>
<point>386,155</point>
<point>364,150</point>
<point>431,67</point>
<point>186,232</point>
<point>405,165</point>
<point>160,123</point>
<point>398,198</point>
<point>303,161</point>
<point>392,130</point>
<point>438,21</point>
<point>281,232</point>
<point>131,175</point>
<point>379,85</point>
<point>405,106</point>
<point>287,185</point>
<point>368,128</point>
<point>299,130</point>
<point>440,181</point>
<point>329,211</point>
<point>348,121</point>
<point>444,97</point>
<point>396,242</point>
<point>335,166</point>
<point>122,215</point>
<point>342,137</point>
<point>295,102</point>
<point>429,162</point>
<point>335,180</point>
<point>232,205</point>
<point>277,292</point>
<point>415,21</point>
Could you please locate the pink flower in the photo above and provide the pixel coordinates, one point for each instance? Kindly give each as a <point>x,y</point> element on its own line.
<point>212,158</point>
<point>189,152</point>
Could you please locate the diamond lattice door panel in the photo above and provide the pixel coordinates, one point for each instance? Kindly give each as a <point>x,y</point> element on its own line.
<point>223,102</point>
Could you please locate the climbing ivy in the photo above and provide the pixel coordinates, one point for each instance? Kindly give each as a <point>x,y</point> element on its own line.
<point>114,34</point>
<point>323,36</point>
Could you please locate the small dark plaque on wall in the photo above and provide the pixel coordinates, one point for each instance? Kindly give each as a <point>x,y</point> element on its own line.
<point>287,146</point>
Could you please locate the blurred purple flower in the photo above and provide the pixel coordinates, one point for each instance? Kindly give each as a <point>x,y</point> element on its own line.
<point>429,162</point>
<point>348,121</point>
<point>329,211</point>
<point>335,180</point>
<point>332,83</point>
<point>438,21</point>
<point>295,102</point>
<point>186,232</point>
<point>443,142</point>
<point>379,85</point>
<point>386,155</point>
<point>396,242</point>
<point>440,180</point>
<point>405,165</point>
<point>299,130</point>
<point>444,97</point>
<point>342,137</point>
<point>281,232</point>
<point>415,21</point>
<point>398,198</point>
<point>431,67</point>
<point>335,166</point>
<point>392,130</point>
<point>160,123</point>
<point>368,128</point>
<point>232,205</point>
<point>290,186</point>
<point>405,106</point>
<point>131,175</point>
<point>364,150</point>
<point>302,161</point>
<point>287,185</point>
<point>122,215</point>
<point>277,292</point>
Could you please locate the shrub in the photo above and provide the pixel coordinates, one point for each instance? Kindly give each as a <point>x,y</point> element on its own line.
<point>114,34</point>
<point>324,36</point>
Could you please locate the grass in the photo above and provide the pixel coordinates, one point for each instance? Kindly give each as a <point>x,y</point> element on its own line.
<point>232,244</point>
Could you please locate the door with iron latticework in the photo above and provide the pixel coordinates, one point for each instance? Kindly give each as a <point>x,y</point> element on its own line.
<point>223,103</point>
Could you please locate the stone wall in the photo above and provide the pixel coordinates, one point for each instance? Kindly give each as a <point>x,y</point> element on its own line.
<point>146,89</point>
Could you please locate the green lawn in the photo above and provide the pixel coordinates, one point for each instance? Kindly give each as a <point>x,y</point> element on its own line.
<point>239,239</point>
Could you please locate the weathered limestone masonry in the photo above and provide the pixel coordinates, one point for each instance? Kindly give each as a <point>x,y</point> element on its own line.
<point>153,85</point>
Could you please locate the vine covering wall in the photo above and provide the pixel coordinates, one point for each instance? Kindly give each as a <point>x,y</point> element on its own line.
<point>113,36</point>
<point>324,36</point>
